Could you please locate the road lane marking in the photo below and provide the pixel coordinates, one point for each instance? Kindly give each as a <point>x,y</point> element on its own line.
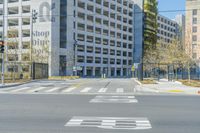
<point>114,99</point>
<point>69,89</point>
<point>110,123</point>
<point>103,90</point>
<point>21,89</point>
<point>86,90</point>
<point>36,90</point>
<point>120,90</point>
<point>53,89</point>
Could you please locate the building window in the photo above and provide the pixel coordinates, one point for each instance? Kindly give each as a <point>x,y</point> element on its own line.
<point>194,38</point>
<point>194,12</point>
<point>194,21</point>
<point>194,29</point>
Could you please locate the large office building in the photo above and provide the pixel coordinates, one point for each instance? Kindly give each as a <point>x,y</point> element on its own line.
<point>180,19</point>
<point>192,32</point>
<point>74,37</point>
<point>167,30</point>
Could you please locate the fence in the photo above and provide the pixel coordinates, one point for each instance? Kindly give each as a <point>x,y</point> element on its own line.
<point>171,71</point>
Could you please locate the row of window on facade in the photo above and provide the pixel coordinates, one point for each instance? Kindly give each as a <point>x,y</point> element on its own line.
<point>13,1</point>
<point>108,5</point>
<point>13,10</point>
<point>98,40</point>
<point>15,21</point>
<point>98,50</point>
<point>99,30</point>
<point>167,27</point>
<point>166,21</point>
<point>99,60</point>
<point>16,68</point>
<point>105,21</point>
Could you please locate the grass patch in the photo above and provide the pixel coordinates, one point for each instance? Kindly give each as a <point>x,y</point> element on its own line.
<point>63,77</point>
<point>16,81</point>
<point>193,83</point>
<point>176,91</point>
<point>148,81</point>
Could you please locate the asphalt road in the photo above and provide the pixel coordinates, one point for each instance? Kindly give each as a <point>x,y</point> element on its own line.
<point>80,86</point>
<point>50,113</point>
<point>95,106</point>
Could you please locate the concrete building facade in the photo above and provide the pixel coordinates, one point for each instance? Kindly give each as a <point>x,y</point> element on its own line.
<point>167,30</point>
<point>192,32</point>
<point>74,37</point>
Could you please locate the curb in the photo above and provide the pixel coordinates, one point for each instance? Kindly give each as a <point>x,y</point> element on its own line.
<point>17,84</point>
<point>137,81</point>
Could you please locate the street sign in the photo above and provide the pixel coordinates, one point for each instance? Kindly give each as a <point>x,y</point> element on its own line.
<point>136,65</point>
<point>133,68</point>
<point>77,68</point>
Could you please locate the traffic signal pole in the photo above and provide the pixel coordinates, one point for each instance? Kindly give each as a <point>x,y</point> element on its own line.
<point>2,46</point>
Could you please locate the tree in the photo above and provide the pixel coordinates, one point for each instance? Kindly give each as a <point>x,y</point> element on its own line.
<point>150,24</point>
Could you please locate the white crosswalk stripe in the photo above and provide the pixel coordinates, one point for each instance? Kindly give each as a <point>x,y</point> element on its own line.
<point>21,89</point>
<point>120,90</point>
<point>117,123</point>
<point>86,90</point>
<point>103,90</point>
<point>61,89</point>
<point>114,99</point>
<point>37,89</point>
<point>69,89</point>
<point>53,89</point>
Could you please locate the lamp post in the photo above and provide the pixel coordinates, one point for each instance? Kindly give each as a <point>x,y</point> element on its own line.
<point>75,57</point>
<point>2,45</point>
<point>34,17</point>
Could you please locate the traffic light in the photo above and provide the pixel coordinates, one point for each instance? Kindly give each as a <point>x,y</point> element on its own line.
<point>34,16</point>
<point>1,46</point>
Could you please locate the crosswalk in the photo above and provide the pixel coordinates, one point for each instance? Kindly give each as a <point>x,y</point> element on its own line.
<point>56,89</point>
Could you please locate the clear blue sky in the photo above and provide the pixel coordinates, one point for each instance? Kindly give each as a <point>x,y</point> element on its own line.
<point>165,5</point>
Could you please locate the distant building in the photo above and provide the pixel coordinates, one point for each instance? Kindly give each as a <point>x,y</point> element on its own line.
<point>83,37</point>
<point>192,32</point>
<point>180,19</point>
<point>167,30</point>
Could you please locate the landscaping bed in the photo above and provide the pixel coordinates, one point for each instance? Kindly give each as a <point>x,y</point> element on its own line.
<point>193,83</point>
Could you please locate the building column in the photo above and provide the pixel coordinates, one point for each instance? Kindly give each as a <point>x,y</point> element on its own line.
<point>93,71</point>
<point>109,71</point>
<point>115,71</point>
<point>122,72</point>
<point>84,71</point>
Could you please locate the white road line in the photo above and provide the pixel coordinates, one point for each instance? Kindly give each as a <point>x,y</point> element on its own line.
<point>102,90</point>
<point>37,89</point>
<point>69,89</point>
<point>120,90</point>
<point>53,89</point>
<point>110,123</point>
<point>21,89</point>
<point>86,90</point>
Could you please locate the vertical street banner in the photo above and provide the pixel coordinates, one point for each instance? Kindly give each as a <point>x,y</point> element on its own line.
<point>42,19</point>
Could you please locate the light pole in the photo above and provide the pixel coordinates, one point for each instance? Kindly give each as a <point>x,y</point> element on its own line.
<point>34,17</point>
<point>2,45</point>
<point>75,58</point>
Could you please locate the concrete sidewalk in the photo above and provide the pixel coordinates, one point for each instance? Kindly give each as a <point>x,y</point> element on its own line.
<point>6,85</point>
<point>165,86</point>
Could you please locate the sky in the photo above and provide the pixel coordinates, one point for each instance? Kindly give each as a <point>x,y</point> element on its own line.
<point>165,5</point>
